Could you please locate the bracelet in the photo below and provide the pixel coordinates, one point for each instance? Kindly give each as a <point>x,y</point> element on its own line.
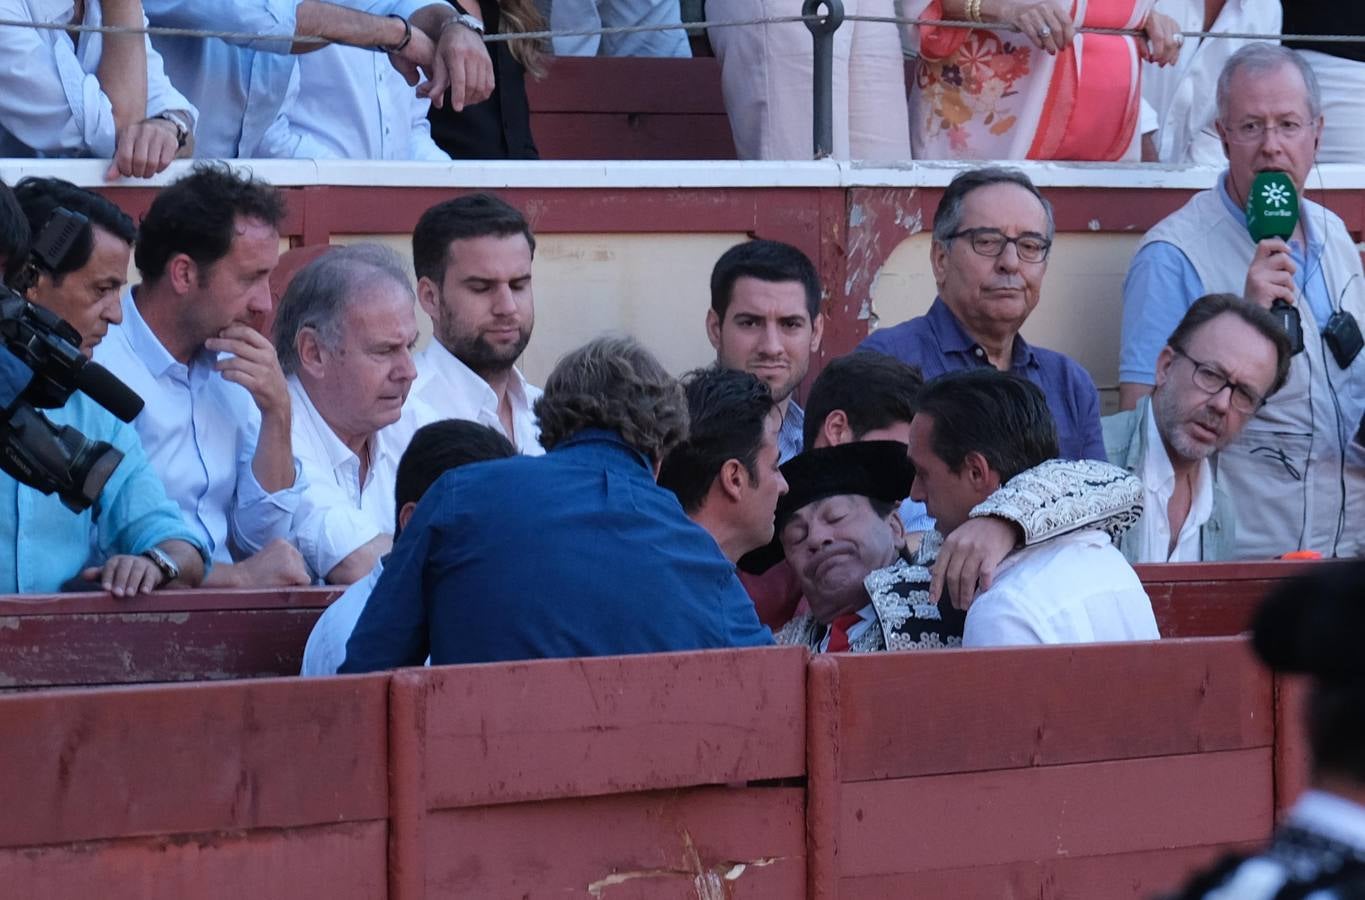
<point>973,10</point>
<point>407,35</point>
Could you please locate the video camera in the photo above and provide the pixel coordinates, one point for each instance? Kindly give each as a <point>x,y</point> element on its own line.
<point>41,365</point>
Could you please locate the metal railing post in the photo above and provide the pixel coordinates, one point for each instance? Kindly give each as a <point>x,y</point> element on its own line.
<point>822,31</point>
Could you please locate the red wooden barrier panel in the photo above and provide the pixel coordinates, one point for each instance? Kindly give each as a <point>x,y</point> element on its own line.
<point>1212,599</point>
<point>1096,771</point>
<point>611,777</point>
<point>252,789</point>
<point>630,108</point>
<point>65,640</point>
<point>84,639</point>
<point>1292,758</point>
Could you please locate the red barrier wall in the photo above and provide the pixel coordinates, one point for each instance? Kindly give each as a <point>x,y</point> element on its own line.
<point>575,776</point>
<point>251,789</point>
<point>1097,771</point>
<point>65,640</point>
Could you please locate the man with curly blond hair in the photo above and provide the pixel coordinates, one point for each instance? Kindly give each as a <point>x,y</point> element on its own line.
<point>575,553</point>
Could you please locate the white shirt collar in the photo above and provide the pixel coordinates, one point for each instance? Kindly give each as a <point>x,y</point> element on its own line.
<point>452,389</point>
<point>1158,484</point>
<point>385,447</point>
<point>146,345</point>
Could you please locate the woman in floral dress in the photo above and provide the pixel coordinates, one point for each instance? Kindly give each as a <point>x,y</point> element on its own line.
<point>1042,91</point>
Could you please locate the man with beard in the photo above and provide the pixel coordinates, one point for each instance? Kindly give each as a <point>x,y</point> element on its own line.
<point>765,320</point>
<point>1223,361</point>
<point>473,261</point>
<point>1295,470</point>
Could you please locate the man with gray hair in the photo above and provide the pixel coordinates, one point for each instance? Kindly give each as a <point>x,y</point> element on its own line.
<point>575,553</point>
<point>992,234</point>
<point>1295,471</point>
<point>344,335</point>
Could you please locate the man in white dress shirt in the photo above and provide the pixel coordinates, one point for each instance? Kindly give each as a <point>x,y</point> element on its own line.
<point>216,424</point>
<point>973,430</point>
<point>89,94</point>
<point>344,335</point>
<point>1223,361</point>
<point>473,260</point>
<point>434,450</point>
<point>256,104</point>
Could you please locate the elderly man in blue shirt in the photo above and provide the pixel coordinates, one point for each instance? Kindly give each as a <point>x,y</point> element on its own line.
<point>993,231</point>
<point>575,553</point>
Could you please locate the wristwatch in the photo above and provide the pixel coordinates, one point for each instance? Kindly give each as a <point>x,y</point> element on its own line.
<point>180,120</point>
<point>464,18</point>
<point>162,560</point>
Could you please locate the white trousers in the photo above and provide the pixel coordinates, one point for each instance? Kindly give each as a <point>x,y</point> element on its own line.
<point>1343,105</point>
<point>766,76</point>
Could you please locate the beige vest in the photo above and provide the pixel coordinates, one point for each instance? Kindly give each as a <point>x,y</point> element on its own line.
<point>1287,471</point>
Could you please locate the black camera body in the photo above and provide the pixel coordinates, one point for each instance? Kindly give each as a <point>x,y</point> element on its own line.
<point>43,350</point>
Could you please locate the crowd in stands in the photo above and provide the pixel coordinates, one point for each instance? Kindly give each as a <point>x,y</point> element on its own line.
<point>415,80</point>
<point>947,484</point>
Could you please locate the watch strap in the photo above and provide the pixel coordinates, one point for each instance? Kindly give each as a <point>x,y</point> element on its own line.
<point>162,560</point>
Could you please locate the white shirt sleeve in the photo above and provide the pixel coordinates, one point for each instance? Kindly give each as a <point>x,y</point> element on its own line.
<point>330,528</point>
<point>258,517</point>
<point>161,94</point>
<point>326,647</point>
<point>1004,620</point>
<point>423,147</point>
<point>48,102</point>
<point>243,16</point>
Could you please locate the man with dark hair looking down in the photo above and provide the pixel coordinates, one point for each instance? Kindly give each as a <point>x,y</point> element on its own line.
<point>604,560</point>
<point>726,473</point>
<point>1220,365</point>
<point>217,421</point>
<point>133,539</point>
<point>434,450</point>
<point>473,259</point>
<point>972,433</point>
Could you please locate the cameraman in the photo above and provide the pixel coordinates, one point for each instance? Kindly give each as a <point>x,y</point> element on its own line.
<point>137,535</point>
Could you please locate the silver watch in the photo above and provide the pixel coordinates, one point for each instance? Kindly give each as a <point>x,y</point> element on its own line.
<point>162,560</point>
<point>467,20</point>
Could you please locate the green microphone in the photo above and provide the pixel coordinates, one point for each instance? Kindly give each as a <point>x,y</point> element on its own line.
<point>1273,212</point>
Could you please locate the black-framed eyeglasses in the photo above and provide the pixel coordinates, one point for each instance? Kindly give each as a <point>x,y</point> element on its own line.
<point>991,242</point>
<point>1212,382</point>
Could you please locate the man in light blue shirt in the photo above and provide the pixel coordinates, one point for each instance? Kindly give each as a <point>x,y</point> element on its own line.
<point>217,420</point>
<point>88,94</point>
<point>250,89</point>
<point>43,544</point>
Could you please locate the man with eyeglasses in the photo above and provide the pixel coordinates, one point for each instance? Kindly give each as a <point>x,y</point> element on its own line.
<point>1224,359</point>
<point>1296,474</point>
<point>992,234</point>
